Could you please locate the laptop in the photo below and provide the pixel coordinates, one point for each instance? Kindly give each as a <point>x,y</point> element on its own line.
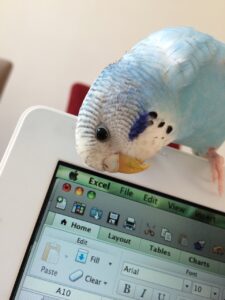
<point>69,232</point>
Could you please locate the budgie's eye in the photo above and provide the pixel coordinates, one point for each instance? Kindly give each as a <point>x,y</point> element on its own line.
<point>102,133</point>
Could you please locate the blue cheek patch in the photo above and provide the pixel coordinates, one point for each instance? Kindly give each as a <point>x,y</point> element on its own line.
<point>139,126</point>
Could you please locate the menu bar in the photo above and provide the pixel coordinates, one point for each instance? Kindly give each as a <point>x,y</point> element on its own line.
<point>139,195</point>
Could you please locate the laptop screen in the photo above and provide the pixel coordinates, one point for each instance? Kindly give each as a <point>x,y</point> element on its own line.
<point>100,238</point>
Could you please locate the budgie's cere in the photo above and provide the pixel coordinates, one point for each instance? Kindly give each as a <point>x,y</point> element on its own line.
<point>169,87</point>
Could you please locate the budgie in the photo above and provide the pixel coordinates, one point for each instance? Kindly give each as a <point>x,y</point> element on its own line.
<point>170,87</point>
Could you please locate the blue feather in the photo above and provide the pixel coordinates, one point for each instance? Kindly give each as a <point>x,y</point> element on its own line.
<point>139,126</point>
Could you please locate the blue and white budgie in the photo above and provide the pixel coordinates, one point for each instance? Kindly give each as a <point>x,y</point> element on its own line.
<point>170,87</point>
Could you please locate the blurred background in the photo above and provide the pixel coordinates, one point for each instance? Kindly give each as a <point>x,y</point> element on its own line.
<point>54,43</point>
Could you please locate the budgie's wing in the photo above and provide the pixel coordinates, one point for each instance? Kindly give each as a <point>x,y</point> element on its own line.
<point>178,55</point>
<point>186,51</point>
<point>196,72</point>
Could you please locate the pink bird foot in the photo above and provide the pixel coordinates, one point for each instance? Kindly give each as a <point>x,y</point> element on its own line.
<point>217,168</point>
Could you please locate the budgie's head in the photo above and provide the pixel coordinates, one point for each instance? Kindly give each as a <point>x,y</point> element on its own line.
<point>115,132</point>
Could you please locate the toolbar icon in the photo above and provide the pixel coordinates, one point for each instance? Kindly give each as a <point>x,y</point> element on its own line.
<point>78,208</point>
<point>166,235</point>
<point>81,256</point>
<point>96,213</point>
<point>130,223</point>
<point>219,250</point>
<point>183,240</point>
<point>76,275</point>
<point>149,230</point>
<point>51,253</point>
<point>61,203</point>
<point>199,245</point>
<point>113,218</point>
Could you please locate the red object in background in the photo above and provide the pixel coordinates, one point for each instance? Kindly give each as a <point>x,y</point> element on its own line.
<point>176,146</point>
<point>77,95</point>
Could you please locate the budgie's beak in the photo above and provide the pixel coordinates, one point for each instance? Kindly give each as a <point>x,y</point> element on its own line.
<point>124,164</point>
<point>130,165</point>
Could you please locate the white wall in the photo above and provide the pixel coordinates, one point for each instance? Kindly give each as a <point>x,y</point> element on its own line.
<point>54,43</point>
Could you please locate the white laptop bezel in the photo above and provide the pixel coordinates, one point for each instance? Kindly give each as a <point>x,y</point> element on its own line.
<point>44,136</point>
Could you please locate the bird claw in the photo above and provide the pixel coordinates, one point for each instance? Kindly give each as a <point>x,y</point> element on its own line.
<point>217,168</point>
